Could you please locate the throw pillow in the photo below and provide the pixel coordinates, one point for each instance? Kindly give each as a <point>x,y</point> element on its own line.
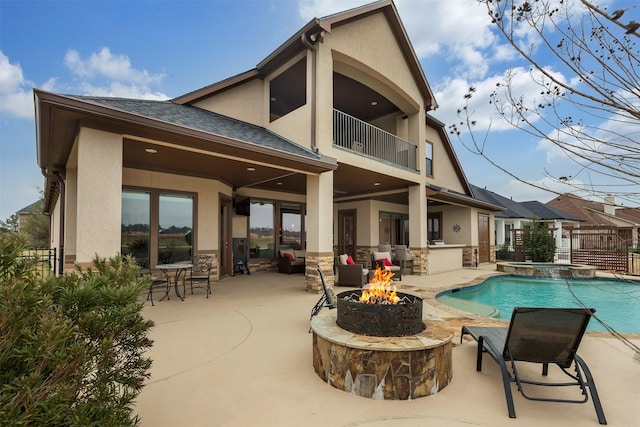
<point>343,259</point>
<point>288,255</point>
<point>386,261</point>
<point>350,260</point>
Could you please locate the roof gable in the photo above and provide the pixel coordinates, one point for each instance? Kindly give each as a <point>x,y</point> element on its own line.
<point>302,39</point>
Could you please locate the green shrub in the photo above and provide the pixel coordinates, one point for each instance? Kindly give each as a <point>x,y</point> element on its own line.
<point>503,252</point>
<point>539,244</point>
<point>71,347</point>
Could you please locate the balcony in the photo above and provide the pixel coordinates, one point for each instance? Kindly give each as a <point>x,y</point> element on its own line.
<point>360,137</point>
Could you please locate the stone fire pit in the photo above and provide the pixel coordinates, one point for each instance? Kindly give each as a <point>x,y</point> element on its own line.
<point>384,368</point>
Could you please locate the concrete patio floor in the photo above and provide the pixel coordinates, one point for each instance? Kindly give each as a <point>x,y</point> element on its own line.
<point>243,357</point>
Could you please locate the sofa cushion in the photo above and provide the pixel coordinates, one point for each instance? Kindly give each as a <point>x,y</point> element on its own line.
<point>299,253</point>
<point>381,255</point>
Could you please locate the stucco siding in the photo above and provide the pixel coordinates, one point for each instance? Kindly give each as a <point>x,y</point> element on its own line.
<point>244,102</point>
<point>444,170</point>
<point>99,203</point>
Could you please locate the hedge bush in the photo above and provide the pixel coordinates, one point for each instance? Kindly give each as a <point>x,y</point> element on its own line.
<point>72,348</point>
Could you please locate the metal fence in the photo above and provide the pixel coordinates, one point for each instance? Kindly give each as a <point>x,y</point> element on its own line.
<point>45,260</point>
<point>361,137</point>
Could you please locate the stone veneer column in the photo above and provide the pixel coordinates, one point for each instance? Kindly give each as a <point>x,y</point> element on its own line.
<point>418,237</point>
<point>312,278</point>
<point>319,231</point>
<point>420,261</point>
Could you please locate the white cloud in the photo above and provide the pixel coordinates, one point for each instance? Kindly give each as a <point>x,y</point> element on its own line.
<point>106,74</point>
<point>110,66</point>
<point>15,92</point>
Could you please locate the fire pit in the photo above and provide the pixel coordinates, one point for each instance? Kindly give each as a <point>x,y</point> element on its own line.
<point>380,319</point>
<point>378,345</point>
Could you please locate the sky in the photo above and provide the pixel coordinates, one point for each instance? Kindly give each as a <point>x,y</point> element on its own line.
<point>165,48</point>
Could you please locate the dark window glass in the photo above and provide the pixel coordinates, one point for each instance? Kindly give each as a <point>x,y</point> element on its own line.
<point>175,219</point>
<point>135,226</point>
<point>288,91</point>
<point>261,229</point>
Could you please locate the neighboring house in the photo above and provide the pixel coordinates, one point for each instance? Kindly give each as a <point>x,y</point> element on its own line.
<point>326,146</point>
<point>23,214</point>
<point>517,215</point>
<point>601,215</point>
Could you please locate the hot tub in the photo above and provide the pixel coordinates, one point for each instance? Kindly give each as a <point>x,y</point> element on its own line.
<point>546,269</point>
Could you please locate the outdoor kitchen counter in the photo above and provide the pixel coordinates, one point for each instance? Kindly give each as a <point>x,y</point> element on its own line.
<point>382,368</point>
<point>443,258</point>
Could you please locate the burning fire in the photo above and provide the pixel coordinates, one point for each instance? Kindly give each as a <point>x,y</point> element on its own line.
<point>381,290</point>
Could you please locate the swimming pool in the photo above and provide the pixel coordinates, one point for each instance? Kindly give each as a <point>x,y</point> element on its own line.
<point>617,302</point>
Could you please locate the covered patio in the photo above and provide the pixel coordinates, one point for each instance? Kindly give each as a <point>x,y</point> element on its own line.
<point>243,357</point>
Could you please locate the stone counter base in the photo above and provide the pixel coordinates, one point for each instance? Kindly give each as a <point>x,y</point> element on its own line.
<point>383,368</point>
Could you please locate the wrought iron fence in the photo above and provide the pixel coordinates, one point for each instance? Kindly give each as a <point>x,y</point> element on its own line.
<point>45,260</point>
<point>359,136</point>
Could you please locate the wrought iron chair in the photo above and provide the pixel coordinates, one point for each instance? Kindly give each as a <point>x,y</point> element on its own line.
<point>156,279</point>
<point>539,335</point>
<point>201,272</point>
<point>326,300</point>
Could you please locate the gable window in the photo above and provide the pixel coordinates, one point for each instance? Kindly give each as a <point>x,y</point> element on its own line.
<point>288,91</point>
<point>428,153</point>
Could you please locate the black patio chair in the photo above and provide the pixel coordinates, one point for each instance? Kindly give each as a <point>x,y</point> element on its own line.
<point>539,335</point>
<point>326,300</point>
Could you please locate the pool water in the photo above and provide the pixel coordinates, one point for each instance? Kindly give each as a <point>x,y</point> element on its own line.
<point>617,302</point>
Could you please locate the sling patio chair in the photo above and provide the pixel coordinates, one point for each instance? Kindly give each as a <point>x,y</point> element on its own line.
<point>539,335</point>
<point>326,300</point>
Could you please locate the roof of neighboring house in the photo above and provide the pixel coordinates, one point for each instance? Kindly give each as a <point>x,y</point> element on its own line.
<point>29,209</point>
<point>528,210</point>
<point>629,214</point>
<point>581,208</point>
<point>298,42</point>
<point>203,120</point>
<point>593,213</point>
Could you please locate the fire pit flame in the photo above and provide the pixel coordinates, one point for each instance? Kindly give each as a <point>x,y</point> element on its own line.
<point>381,290</point>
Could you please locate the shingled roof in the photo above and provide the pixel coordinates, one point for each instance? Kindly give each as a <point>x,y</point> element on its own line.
<point>202,120</point>
<point>529,209</point>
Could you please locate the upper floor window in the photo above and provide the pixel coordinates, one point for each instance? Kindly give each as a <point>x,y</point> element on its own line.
<point>428,154</point>
<point>288,91</point>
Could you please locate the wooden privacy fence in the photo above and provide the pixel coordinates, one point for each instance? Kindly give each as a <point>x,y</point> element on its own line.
<point>604,248</point>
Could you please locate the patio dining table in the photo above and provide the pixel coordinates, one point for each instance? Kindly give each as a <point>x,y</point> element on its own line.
<point>180,268</point>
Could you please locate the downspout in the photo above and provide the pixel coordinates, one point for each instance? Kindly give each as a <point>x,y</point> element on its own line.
<point>55,176</point>
<point>305,41</point>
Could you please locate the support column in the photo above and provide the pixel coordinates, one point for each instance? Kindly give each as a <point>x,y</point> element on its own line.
<point>499,232</point>
<point>418,240</point>
<point>319,231</point>
<point>99,195</point>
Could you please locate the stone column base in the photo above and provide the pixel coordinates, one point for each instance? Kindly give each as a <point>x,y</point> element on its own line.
<point>311,277</point>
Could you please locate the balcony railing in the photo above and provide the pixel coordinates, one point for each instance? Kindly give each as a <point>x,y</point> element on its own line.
<point>360,137</point>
